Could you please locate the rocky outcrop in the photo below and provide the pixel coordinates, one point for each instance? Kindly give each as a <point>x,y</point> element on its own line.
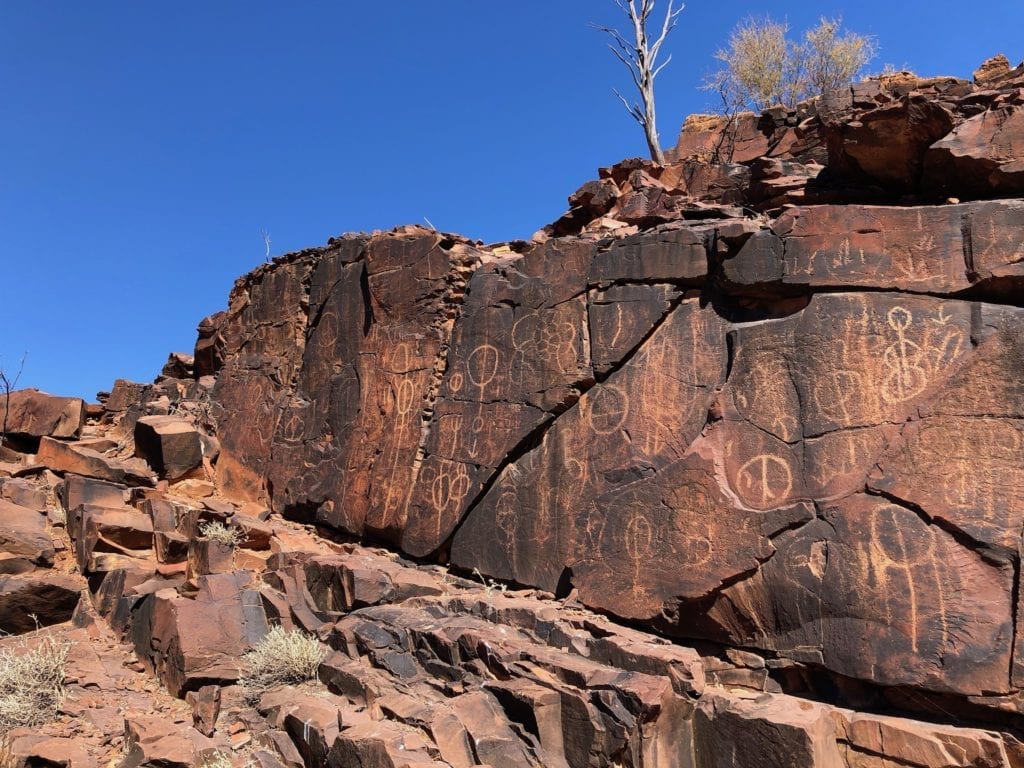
<point>796,432</point>
<point>725,468</point>
<point>897,139</point>
<point>802,421</point>
<point>31,414</point>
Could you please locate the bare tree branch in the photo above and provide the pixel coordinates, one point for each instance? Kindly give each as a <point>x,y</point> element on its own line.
<point>630,65</point>
<point>639,56</point>
<point>8,385</point>
<point>634,109</point>
<point>668,26</point>
<point>663,65</point>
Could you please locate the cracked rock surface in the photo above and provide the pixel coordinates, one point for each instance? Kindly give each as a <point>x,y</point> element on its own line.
<point>734,452</point>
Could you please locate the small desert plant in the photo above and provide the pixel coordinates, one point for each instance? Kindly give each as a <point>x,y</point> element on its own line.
<point>490,585</point>
<point>222,534</point>
<point>32,683</point>
<point>281,657</point>
<point>216,760</point>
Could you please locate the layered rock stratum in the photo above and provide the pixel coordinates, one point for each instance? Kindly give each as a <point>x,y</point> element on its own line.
<point>725,467</point>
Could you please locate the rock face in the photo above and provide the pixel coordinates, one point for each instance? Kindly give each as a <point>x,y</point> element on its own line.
<point>763,404</point>
<point>799,433</point>
<point>34,414</point>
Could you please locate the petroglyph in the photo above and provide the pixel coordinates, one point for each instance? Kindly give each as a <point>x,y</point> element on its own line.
<point>839,393</point>
<point>506,520</point>
<point>972,468</point>
<point>482,366</point>
<point>912,261</point>
<point>906,377</point>
<point>455,382</point>
<point>881,357</point>
<point>449,487</point>
<point>764,481</point>
<point>897,562</point>
<point>606,409</point>
<point>547,338</point>
<point>325,334</point>
<point>405,397</point>
<point>838,462</point>
<point>291,428</point>
<point>696,519</point>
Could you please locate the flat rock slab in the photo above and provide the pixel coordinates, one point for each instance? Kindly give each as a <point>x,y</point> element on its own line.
<point>36,414</point>
<point>66,457</point>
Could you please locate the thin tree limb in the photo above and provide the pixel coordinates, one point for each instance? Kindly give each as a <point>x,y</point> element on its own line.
<point>8,385</point>
<point>639,57</point>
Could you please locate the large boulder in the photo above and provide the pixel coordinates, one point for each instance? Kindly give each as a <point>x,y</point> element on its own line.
<point>67,457</point>
<point>982,157</point>
<point>37,600</point>
<point>170,445</point>
<point>35,414</point>
<point>23,537</point>
<point>189,642</point>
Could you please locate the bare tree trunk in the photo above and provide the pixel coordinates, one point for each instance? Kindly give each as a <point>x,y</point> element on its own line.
<point>650,122</point>
<point>8,384</point>
<point>639,57</point>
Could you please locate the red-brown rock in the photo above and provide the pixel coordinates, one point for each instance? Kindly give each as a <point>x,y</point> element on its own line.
<point>46,598</point>
<point>170,445</point>
<point>23,536</point>
<point>982,157</point>
<point>191,642</point>
<point>65,457</point>
<point>35,414</point>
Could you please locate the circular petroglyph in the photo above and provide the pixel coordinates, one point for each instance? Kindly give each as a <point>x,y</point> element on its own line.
<point>482,365</point>
<point>765,481</point>
<point>606,409</point>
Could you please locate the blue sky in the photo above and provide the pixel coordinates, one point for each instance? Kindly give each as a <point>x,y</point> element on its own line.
<point>145,145</point>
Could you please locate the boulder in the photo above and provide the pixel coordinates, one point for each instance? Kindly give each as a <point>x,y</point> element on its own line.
<point>23,535</point>
<point>151,742</point>
<point>76,490</point>
<point>982,157</point>
<point>35,414</point>
<point>179,365</point>
<point>66,457</point>
<point>169,444</point>
<point>189,642</point>
<point>41,751</point>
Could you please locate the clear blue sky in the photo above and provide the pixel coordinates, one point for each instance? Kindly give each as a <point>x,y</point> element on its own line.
<point>145,145</point>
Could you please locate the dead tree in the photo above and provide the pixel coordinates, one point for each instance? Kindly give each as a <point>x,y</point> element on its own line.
<point>640,57</point>
<point>7,385</point>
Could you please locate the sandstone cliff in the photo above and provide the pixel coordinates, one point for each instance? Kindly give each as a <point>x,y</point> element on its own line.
<point>765,401</point>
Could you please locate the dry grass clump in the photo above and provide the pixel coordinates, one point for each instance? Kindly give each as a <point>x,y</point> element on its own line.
<point>220,533</point>
<point>280,658</point>
<point>216,760</point>
<point>32,683</point>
